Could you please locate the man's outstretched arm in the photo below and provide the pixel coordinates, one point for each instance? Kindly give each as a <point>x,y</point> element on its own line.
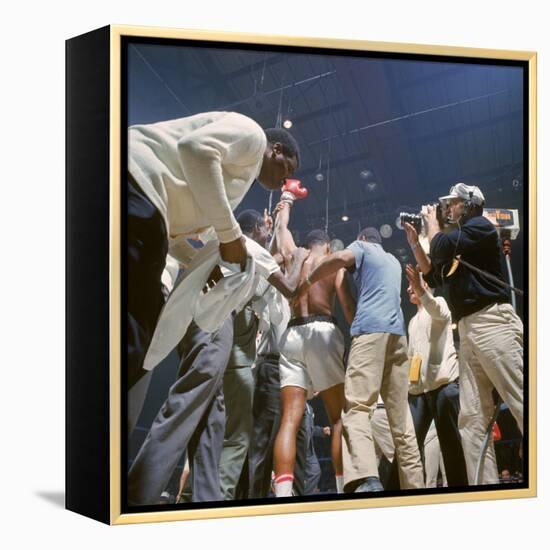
<point>287,284</point>
<point>329,265</point>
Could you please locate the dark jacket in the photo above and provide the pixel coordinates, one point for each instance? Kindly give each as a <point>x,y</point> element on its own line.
<point>477,242</point>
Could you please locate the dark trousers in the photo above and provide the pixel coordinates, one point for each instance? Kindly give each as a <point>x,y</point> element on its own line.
<point>146,258</point>
<point>192,418</point>
<point>442,406</point>
<point>313,468</point>
<point>238,392</point>
<point>266,412</point>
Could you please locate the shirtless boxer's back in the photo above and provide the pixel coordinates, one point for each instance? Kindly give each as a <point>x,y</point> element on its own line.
<point>312,354</point>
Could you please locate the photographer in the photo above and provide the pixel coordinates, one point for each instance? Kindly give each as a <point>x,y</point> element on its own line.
<point>491,334</point>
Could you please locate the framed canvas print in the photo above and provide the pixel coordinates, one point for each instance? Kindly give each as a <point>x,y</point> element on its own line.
<point>301,274</point>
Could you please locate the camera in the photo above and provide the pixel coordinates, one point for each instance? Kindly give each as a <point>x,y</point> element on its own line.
<point>414,219</point>
<point>417,221</point>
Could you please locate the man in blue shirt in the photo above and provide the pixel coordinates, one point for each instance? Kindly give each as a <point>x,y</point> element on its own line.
<point>377,364</point>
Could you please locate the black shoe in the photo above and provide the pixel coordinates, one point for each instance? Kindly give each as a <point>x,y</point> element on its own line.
<point>371,484</point>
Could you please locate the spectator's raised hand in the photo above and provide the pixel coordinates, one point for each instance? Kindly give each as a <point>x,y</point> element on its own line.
<point>268,220</point>
<point>413,276</point>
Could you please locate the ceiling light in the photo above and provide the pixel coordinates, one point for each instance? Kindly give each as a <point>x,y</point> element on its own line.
<point>345,218</point>
<point>287,123</point>
<point>319,176</point>
<point>365,174</point>
<point>386,231</point>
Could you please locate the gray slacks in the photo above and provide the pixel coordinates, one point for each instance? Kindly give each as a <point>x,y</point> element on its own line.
<point>238,389</point>
<point>192,418</point>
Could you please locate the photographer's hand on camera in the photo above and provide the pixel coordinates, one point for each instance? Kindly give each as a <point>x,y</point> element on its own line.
<point>431,222</point>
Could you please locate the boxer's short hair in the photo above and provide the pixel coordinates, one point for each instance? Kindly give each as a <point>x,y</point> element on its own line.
<point>317,236</point>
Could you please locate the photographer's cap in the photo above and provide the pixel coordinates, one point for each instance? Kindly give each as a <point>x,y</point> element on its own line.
<point>465,192</point>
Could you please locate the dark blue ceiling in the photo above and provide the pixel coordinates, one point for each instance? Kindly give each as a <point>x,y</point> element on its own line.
<point>418,127</point>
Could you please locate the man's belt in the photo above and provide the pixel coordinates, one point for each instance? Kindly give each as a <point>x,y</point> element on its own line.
<point>297,321</point>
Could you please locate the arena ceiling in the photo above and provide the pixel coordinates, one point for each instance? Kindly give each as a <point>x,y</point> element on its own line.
<point>378,135</point>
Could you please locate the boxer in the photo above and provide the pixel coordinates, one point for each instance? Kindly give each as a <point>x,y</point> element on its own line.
<point>312,348</point>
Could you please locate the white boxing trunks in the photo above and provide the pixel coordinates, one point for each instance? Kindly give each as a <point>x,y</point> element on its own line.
<point>312,354</point>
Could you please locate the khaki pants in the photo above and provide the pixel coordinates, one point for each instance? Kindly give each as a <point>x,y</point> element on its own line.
<point>381,434</point>
<point>378,364</point>
<point>491,356</point>
<point>433,459</point>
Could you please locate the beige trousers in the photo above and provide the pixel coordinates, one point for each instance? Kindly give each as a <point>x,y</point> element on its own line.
<point>378,364</point>
<point>433,459</point>
<point>491,356</point>
<point>381,434</point>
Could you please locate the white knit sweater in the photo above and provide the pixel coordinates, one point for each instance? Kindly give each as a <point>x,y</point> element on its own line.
<point>196,170</point>
<point>431,335</point>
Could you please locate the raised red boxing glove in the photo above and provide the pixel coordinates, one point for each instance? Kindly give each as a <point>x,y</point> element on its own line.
<point>292,190</point>
<point>497,436</point>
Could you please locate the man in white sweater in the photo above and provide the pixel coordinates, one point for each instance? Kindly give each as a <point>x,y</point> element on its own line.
<point>185,177</point>
<point>193,417</point>
<point>433,376</point>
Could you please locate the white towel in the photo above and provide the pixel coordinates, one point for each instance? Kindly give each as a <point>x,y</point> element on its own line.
<point>269,305</point>
<point>187,302</point>
<point>170,273</point>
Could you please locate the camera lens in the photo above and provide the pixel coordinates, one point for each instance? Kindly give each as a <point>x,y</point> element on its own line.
<point>414,219</point>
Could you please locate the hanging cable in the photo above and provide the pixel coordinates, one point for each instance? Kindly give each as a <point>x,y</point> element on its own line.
<point>278,124</point>
<point>311,79</point>
<point>165,84</point>
<point>407,116</point>
<point>263,73</point>
<point>328,186</point>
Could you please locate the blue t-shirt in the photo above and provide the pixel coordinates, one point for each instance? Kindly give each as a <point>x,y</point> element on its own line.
<point>378,280</point>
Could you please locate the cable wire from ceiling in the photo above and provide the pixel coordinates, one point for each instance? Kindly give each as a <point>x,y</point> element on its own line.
<point>409,115</point>
<point>165,84</point>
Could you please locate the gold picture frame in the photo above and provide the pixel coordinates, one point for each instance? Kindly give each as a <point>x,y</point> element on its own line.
<point>112,41</point>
